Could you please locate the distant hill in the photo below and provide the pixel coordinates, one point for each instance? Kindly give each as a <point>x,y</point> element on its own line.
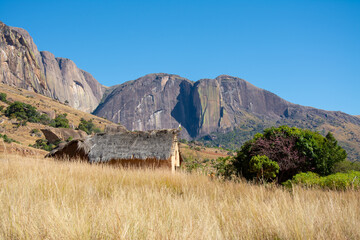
<point>225,111</point>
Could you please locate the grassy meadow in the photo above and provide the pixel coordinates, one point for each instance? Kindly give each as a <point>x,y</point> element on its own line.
<point>46,199</point>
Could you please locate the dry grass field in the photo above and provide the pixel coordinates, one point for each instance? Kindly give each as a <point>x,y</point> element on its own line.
<point>46,199</point>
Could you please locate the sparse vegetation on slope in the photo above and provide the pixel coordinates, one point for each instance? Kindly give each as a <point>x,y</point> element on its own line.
<point>88,126</point>
<point>44,199</point>
<point>48,109</point>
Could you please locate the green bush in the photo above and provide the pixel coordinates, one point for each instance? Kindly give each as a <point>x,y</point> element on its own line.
<point>60,121</point>
<point>7,139</point>
<point>22,111</point>
<point>337,181</point>
<point>295,150</point>
<point>44,119</point>
<point>44,144</point>
<point>88,126</point>
<point>3,98</point>
<point>28,113</point>
<point>224,167</point>
<point>346,166</point>
<point>190,164</point>
<point>263,167</point>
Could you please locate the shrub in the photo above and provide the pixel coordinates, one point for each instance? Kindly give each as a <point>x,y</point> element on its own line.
<point>44,144</point>
<point>295,150</point>
<point>346,166</point>
<point>3,98</point>
<point>224,167</point>
<point>7,139</point>
<point>308,179</point>
<point>44,119</point>
<point>263,167</point>
<point>337,181</point>
<point>22,111</point>
<point>88,126</point>
<point>191,164</point>
<point>60,121</point>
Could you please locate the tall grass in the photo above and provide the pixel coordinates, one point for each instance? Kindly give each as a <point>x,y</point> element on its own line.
<point>44,199</point>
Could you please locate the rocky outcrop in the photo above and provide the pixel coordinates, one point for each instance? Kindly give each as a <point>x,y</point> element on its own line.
<point>158,101</point>
<point>155,101</point>
<point>221,103</point>
<point>54,135</point>
<point>23,66</point>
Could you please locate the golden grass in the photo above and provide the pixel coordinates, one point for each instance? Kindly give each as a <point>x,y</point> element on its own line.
<point>44,199</point>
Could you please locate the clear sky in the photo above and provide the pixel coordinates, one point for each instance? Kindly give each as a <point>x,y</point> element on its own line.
<point>307,52</point>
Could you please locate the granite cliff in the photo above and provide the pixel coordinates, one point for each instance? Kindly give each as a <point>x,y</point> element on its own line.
<point>210,107</point>
<point>162,100</point>
<point>23,66</point>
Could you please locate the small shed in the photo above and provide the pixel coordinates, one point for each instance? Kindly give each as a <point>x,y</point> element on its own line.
<point>156,148</point>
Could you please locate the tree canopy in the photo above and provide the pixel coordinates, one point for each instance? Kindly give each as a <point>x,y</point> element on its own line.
<point>88,126</point>
<point>295,150</point>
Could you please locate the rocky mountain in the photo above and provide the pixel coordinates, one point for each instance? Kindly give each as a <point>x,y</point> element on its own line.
<point>212,106</point>
<point>23,66</point>
<point>225,110</point>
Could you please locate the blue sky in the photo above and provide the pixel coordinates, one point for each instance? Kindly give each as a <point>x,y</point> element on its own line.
<point>307,52</point>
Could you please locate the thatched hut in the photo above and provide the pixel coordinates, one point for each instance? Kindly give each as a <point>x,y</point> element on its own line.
<point>157,148</point>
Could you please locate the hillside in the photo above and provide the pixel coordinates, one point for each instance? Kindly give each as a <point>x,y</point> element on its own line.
<point>46,105</point>
<point>51,107</point>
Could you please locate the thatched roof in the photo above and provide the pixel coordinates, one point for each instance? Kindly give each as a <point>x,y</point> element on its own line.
<point>154,144</point>
<point>104,147</point>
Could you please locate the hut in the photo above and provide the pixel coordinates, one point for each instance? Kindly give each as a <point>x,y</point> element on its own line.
<point>157,148</point>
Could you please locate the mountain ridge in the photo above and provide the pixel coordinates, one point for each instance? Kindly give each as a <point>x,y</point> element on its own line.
<point>24,66</point>
<point>160,100</point>
<point>218,105</point>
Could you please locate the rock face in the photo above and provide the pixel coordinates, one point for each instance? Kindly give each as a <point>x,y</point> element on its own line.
<point>155,101</point>
<point>23,66</point>
<point>158,101</point>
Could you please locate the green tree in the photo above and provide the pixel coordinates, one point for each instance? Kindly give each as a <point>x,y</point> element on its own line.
<point>60,121</point>
<point>3,98</point>
<point>295,150</point>
<point>263,167</point>
<point>88,126</point>
<point>22,111</point>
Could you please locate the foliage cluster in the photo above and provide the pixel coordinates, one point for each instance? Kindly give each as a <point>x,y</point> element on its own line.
<point>295,150</point>
<point>26,113</point>
<point>44,144</point>
<point>7,139</point>
<point>60,121</point>
<point>263,167</point>
<point>232,140</point>
<point>337,181</point>
<point>346,166</point>
<point>221,167</point>
<point>88,126</point>
<point>3,98</point>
